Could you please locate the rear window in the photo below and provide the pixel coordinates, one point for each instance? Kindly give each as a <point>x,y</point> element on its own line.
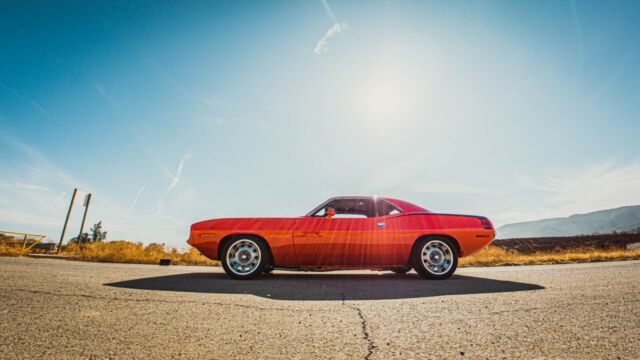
<point>385,208</point>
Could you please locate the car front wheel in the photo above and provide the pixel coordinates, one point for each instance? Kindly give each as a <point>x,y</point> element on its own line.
<point>435,258</point>
<point>245,257</point>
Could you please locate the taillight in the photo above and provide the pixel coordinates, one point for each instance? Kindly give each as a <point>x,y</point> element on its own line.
<point>486,224</point>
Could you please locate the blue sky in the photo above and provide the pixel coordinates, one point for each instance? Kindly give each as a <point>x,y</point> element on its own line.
<point>174,112</point>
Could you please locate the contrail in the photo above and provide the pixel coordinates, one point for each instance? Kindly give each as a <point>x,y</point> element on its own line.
<point>322,46</point>
<point>329,12</point>
<point>174,179</point>
<point>135,199</point>
<point>29,100</point>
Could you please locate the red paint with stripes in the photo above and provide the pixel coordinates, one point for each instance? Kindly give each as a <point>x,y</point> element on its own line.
<point>314,242</point>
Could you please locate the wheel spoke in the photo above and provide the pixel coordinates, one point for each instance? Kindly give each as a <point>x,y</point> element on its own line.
<point>437,257</point>
<point>243,257</point>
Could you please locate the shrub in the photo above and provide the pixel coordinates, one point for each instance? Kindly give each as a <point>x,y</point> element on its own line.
<point>128,252</point>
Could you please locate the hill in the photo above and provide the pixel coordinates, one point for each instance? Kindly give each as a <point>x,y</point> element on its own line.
<point>621,219</point>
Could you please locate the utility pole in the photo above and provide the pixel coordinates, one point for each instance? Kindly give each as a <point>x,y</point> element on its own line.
<point>87,200</point>
<point>66,221</point>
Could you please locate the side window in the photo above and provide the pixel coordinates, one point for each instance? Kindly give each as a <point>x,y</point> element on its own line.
<point>322,212</point>
<point>349,208</point>
<point>354,208</point>
<point>384,208</point>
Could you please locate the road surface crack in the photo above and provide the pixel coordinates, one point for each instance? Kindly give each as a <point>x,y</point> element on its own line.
<point>365,331</point>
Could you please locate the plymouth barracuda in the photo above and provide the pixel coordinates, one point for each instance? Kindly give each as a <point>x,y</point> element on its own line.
<point>349,232</point>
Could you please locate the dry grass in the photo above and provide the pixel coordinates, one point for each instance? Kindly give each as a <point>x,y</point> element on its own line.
<point>128,252</point>
<point>12,250</point>
<point>121,252</point>
<point>495,256</point>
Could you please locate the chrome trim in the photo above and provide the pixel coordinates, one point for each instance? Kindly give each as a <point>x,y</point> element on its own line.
<point>437,257</point>
<point>243,257</point>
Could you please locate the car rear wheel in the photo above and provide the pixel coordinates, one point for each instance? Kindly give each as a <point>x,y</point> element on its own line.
<point>245,257</point>
<point>435,258</point>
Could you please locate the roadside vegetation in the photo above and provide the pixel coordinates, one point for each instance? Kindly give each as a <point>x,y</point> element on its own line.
<point>497,256</point>
<point>12,250</point>
<point>95,247</point>
<point>533,251</point>
<point>119,252</point>
<point>129,252</point>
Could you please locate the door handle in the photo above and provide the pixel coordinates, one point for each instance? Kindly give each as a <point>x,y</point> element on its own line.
<point>306,233</point>
<point>382,225</point>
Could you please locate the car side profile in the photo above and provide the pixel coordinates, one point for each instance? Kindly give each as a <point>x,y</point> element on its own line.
<point>348,232</point>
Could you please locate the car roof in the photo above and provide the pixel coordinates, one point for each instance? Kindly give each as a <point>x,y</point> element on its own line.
<point>405,206</point>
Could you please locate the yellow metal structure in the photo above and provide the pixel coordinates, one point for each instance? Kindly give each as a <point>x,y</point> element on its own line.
<point>36,237</point>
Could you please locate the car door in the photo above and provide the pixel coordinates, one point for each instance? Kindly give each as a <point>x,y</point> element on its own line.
<point>392,249</point>
<point>352,238</point>
<point>366,243</point>
<point>313,244</point>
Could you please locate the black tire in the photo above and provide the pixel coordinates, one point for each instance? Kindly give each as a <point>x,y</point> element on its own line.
<point>269,269</point>
<point>249,246</point>
<point>401,271</point>
<point>442,249</point>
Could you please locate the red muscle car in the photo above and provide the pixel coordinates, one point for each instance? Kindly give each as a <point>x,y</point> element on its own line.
<point>349,232</point>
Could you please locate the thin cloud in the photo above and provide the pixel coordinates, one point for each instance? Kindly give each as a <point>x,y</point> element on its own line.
<point>329,11</point>
<point>102,92</point>
<point>86,79</point>
<point>205,106</point>
<point>448,188</point>
<point>322,46</point>
<point>25,219</point>
<point>178,87</point>
<point>21,186</point>
<point>33,103</point>
<point>404,173</point>
<point>30,199</point>
<point>37,164</point>
<point>595,187</point>
<point>175,178</point>
<point>562,192</point>
<point>135,199</point>
<point>34,197</point>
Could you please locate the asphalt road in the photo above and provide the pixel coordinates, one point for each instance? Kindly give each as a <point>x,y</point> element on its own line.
<point>65,309</point>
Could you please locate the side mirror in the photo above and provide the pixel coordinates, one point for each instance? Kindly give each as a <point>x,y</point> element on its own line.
<point>331,212</point>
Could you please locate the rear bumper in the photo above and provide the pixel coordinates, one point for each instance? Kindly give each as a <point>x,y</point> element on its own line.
<point>473,241</point>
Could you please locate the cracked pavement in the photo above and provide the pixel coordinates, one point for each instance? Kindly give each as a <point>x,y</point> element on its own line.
<point>67,309</point>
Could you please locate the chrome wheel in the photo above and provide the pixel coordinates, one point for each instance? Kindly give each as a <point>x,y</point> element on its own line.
<point>243,257</point>
<point>437,257</point>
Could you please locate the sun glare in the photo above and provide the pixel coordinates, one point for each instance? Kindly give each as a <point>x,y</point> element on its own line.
<point>385,99</point>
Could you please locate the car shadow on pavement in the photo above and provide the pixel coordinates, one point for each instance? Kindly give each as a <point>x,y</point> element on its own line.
<point>336,286</point>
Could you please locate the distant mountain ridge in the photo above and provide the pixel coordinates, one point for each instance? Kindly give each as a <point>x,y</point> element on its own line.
<point>626,218</point>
